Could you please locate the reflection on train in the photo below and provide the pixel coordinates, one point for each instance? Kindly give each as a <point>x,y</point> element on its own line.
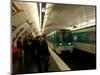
<point>61,40</point>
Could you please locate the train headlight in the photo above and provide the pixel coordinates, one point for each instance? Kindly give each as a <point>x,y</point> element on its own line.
<point>60,44</point>
<point>69,43</point>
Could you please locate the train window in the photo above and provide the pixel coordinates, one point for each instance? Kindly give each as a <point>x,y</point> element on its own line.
<point>83,37</point>
<point>79,37</point>
<point>67,37</point>
<point>75,38</point>
<point>60,37</point>
<point>91,37</point>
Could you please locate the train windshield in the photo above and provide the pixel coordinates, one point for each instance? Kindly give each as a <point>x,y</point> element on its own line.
<point>67,37</point>
<point>64,36</point>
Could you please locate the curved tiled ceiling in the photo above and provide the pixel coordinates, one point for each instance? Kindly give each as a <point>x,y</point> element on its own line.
<point>25,13</point>
<point>56,16</point>
<point>61,16</point>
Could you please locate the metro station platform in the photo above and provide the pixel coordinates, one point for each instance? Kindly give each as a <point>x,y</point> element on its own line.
<point>56,64</point>
<point>78,60</point>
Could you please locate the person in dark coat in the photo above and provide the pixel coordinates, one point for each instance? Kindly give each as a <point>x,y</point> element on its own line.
<point>20,54</point>
<point>44,53</point>
<point>32,49</point>
<point>19,44</point>
<point>38,56</point>
<point>26,53</point>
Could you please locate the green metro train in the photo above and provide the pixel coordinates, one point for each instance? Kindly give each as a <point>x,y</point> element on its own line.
<point>61,40</point>
<point>83,39</point>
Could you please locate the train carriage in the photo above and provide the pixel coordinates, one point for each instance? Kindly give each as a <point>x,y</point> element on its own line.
<point>85,39</point>
<point>61,40</point>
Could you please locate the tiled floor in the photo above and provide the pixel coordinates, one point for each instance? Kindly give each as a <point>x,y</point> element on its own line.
<point>19,67</point>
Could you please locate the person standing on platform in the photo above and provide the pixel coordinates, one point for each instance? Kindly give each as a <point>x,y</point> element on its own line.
<point>33,50</point>
<point>15,56</point>
<point>44,53</point>
<point>20,54</point>
<point>19,46</point>
<point>38,53</point>
<point>26,53</point>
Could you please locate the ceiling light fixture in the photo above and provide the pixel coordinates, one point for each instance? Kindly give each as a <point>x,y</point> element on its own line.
<point>43,10</point>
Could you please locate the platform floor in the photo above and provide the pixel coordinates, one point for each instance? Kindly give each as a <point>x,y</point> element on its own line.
<point>19,67</point>
<point>77,60</point>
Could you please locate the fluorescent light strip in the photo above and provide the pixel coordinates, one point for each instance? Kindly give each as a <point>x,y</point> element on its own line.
<point>48,6</point>
<point>43,10</point>
<point>40,5</point>
<point>36,16</point>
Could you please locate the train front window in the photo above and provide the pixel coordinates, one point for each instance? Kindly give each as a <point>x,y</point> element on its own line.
<point>67,37</point>
<point>59,37</point>
<point>64,37</point>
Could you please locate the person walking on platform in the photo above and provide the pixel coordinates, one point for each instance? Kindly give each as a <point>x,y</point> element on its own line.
<point>38,56</point>
<point>33,50</point>
<point>30,50</point>
<point>15,59</point>
<point>26,53</point>
<point>19,46</point>
<point>20,53</point>
<point>44,53</point>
